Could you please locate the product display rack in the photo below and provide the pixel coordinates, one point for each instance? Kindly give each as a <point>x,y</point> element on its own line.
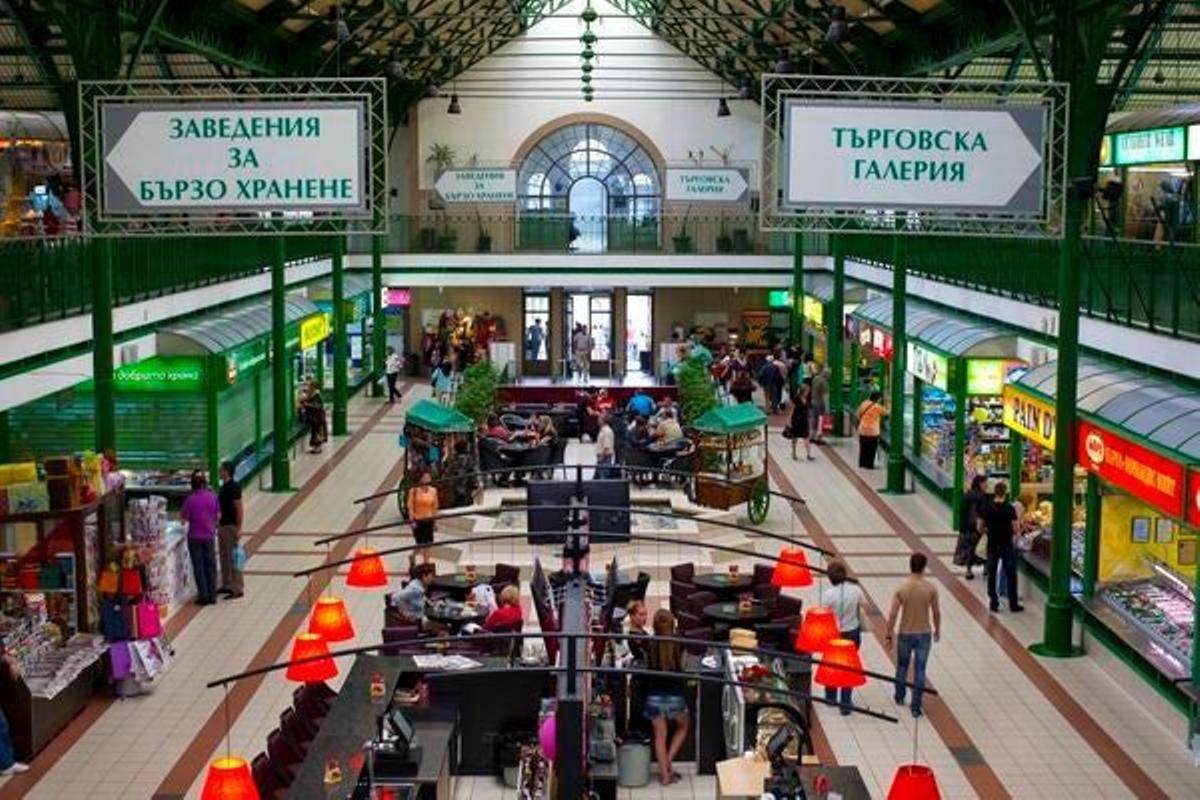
<point>1162,608</point>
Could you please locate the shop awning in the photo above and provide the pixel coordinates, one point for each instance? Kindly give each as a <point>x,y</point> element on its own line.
<point>1184,114</point>
<point>1161,412</point>
<point>438,418</point>
<point>740,418</point>
<point>229,329</point>
<point>353,284</point>
<point>952,335</point>
<point>820,286</point>
<point>46,125</point>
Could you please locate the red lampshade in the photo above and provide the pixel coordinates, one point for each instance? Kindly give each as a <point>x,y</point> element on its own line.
<point>330,619</point>
<point>914,782</point>
<point>311,645</point>
<point>367,571</point>
<point>840,667</point>
<point>229,779</point>
<point>819,628</point>
<point>791,570</point>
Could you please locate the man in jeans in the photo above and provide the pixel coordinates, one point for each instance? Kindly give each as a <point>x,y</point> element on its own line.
<point>606,448</point>
<point>916,604</point>
<point>228,529</point>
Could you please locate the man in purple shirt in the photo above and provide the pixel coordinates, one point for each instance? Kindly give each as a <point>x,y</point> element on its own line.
<point>200,511</point>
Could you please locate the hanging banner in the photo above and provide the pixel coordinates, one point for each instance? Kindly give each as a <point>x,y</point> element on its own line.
<point>1148,476</point>
<point>478,185</point>
<point>931,367</point>
<point>707,184</point>
<point>1029,417</point>
<point>1193,511</point>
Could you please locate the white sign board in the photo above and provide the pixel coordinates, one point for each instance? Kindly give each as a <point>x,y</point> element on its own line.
<point>263,156</point>
<point>711,185</point>
<point>478,186</point>
<point>1193,143</point>
<point>906,156</point>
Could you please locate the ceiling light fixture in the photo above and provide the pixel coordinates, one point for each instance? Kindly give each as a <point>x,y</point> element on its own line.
<point>745,92</point>
<point>454,107</point>
<point>395,67</point>
<point>783,65</point>
<point>1159,78</point>
<point>431,89</point>
<point>341,29</point>
<point>722,107</point>
<point>839,28</point>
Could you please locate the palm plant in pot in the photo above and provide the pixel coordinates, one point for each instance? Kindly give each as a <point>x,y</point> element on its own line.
<point>441,158</point>
<point>682,240</point>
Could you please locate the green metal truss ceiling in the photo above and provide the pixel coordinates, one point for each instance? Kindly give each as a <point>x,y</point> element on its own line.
<point>1155,50</point>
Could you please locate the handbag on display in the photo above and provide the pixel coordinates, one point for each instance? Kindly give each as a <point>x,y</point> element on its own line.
<point>122,663</point>
<point>131,575</point>
<point>114,621</point>
<point>149,624</point>
<point>110,579</point>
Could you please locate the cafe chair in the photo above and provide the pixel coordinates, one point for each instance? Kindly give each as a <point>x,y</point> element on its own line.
<point>787,606</point>
<point>704,633</point>
<point>640,587</point>
<point>296,729</point>
<point>763,574</point>
<point>767,594</point>
<point>503,647</point>
<point>265,778</point>
<point>309,706</point>
<point>688,621</point>
<point>283,755</point>
<point>684,573</point>
<point>504,575</point>
<point>698,601</point>
<point>398,636</point>
<point>774,635</point>
<point>514,422</point>
<point>321,690</point>
<point>491,459</point>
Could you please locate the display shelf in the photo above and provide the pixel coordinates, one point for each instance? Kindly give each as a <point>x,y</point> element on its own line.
<point>1160,610</point>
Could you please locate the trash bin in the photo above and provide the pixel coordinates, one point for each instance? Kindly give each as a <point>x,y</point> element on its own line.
<point>633,764</point>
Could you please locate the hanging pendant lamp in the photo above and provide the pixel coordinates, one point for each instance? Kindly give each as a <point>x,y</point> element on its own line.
<point>914,782</point>
<point>819,628</point>
<point>367,571</point>
<point>791,570</point>
<point>321,668</point>
<point>229,778</point>
<point>331,620</point>
<point>840,666</point>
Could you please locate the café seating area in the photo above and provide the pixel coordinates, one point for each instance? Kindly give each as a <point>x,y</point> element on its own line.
<point>275,768</point>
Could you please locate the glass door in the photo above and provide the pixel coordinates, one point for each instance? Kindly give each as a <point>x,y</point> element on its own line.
<point>639,333</point>
<point>589,320</point>
<point>536,333</point>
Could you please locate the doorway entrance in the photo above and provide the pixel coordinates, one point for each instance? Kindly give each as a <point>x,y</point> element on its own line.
<point>639,333</point>
<point>592,311</point>
<point>536,332</point>
<point>588,204</point>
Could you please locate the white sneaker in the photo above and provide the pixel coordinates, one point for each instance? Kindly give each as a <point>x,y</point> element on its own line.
<point>16,769</point>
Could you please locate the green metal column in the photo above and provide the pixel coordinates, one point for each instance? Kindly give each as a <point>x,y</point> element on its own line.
<point>280,388</point>
<point>214,370</point>
<point>102,344</point>
<point>379,335</point>
<point>918,402</point>
<point>895,462</point>
<point>1091,538</point>
<point>1016,460</point>
<point>855,357</point>
<point>341,367</point>
<point>958,390</point>
<point>320,348</point>
<point>5,439</point>
<point>835,333</point>
<point>797,288</point>
<point>258,415</point>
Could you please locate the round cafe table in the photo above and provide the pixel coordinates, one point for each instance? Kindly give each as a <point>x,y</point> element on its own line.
<point>729,613</point>
<point>723,585</point>
<point>453,614</point>
<point>456,585</point>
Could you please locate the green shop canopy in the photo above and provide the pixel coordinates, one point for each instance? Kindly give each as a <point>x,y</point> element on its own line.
<point>353,284</point>
<point>229,329</point>
<point>820,286</point>
<point>438,418</point>
<point>955,336</point>
<point>732,419</point>
<point>1161,412</point>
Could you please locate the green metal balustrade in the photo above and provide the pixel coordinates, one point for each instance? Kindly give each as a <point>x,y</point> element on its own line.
<point>48,279</point>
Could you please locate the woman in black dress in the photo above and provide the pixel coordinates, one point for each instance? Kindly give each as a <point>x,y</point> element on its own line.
<point>801,408</point>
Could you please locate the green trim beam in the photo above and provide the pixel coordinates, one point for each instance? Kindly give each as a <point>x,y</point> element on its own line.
<point>341,365</point>
<point>280,386</point>
<point>895,460</point>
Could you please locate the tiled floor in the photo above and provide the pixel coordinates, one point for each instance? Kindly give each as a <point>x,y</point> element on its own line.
<point>1005,724</point>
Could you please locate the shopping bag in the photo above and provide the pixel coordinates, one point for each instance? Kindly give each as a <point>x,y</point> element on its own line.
<point>109,579</point>
<point>122,664</point>
<point>131,581</point>
<point>239,558</point>
<point>149,624</point>
<point>114,621</point>
<point>981,547</point>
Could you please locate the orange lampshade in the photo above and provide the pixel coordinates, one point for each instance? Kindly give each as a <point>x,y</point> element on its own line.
<point>330,619</point>
<point>791,570</point>
<point>367,571</point>
<point>819,628</point>
<point>914,782</point>
<point>840,666</point>
<point>229,779</point>
<point>311,645</point>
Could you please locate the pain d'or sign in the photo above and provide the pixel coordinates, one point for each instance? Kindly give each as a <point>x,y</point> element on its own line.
<point>1031,418</point>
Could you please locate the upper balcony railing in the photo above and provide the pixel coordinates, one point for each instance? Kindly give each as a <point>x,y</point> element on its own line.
<point>537,232</point>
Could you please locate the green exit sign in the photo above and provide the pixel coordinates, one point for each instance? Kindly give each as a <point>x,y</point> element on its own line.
<point>779,298</point>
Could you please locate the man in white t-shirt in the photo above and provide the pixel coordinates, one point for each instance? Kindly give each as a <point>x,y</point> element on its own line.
<point>606,447</point>
<point>391,368</point>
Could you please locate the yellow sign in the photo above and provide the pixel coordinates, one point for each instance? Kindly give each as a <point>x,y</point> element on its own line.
<point>814,310</point>
<point>313,330</point>
<point>1031,418</point>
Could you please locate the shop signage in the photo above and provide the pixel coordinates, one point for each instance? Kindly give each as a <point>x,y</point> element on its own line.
<point>843,155</point>
<point>401,298</point>
<point>929,366</point>
<point>1193,511</point>
<point>987,376</point>
<point>313,330</point>
<point>1029,417</point>
<point>478,185</point>
<point>1106,151</point>
<point>779,298</point>
<point>244,359</point>
<point>160,374</point>
<point>1148,147</point>
<point>814,311</point>
<point>269,155</point>
<point>1138,470</point>
<point>708,184</point>
<point>1193,143</point>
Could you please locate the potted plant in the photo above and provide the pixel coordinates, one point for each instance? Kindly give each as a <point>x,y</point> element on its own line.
<point>477,394</point>
<point>724,240</point>
<point>441,158</point>
<point>682,240</point>
<point>697,391</point>
<point>483,243</point>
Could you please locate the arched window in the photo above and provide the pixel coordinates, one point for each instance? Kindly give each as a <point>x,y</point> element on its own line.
<point>594,152</point>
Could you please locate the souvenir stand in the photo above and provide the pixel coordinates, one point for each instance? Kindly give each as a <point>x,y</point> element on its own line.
<point>1138,440</point>
<point>430,433</point>
<point>732,460</point>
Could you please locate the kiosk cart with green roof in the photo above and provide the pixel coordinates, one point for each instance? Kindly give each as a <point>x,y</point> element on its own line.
<point>733,460</point>
<point>431,431</point>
